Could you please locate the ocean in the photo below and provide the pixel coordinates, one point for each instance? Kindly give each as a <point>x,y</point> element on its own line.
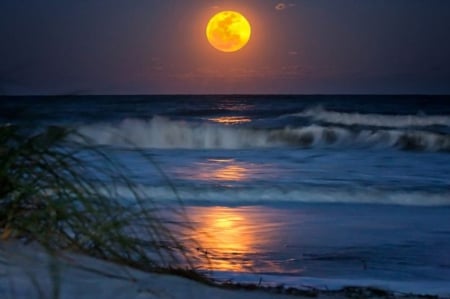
<point>306,191</point>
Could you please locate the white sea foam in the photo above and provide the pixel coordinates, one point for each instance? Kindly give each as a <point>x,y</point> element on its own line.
<point>160,132</point>
<point>376,120</point>
<point>302,194</point>
<point>163,133</point>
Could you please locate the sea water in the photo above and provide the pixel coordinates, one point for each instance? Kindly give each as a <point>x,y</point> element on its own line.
<point>315,191</point>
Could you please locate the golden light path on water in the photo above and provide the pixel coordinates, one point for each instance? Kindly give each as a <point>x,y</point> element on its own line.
<point>226,170</point>
<point>230,120</point>
<point>232,238</point>
<point>222,170</point>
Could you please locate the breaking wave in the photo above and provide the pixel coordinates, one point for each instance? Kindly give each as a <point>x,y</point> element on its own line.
<point>163,133</point>
<point>302,194</point>
<point>375,120</point>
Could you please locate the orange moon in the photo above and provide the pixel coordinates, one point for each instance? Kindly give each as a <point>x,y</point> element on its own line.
<point>228,31</point>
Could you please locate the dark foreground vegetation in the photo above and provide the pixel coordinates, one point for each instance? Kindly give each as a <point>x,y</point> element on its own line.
<point>51,193</point>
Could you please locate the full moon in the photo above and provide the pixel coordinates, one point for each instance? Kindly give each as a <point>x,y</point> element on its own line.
<point>228,31</point>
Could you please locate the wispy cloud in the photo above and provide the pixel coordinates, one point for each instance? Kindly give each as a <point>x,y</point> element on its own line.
<point>244,73</point>
<point>280,6</point>
<point>283,6</point>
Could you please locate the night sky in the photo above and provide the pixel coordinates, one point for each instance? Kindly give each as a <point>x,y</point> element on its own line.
<point>154,47</point>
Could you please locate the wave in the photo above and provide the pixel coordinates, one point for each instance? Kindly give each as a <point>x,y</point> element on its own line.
<point>163,133</point>
<point>375,120</point>
<point>302,194</point>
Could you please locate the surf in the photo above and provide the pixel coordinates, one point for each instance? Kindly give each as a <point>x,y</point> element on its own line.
<point>164,133</point>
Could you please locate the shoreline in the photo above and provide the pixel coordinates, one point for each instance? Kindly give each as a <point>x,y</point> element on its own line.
<point>28,271</point>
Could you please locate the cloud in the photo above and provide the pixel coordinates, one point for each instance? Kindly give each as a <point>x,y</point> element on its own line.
<point>283,6</point>
<point>241,73</point>
<point>280,6</point>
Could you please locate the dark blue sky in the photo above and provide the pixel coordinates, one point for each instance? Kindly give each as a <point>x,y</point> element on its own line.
<point>150,46</point>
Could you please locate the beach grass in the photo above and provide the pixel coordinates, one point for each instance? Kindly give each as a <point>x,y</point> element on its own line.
<point>66,194</point>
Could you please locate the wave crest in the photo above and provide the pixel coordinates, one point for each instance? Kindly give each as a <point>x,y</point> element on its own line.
<point>163,133</point>
<point>375,120</point>
<point>302,194</point>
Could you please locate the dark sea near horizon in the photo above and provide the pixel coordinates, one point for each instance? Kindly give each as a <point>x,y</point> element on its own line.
<point>320,191</point>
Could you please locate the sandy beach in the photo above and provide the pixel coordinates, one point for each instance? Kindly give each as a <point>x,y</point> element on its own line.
<point>28,271</point>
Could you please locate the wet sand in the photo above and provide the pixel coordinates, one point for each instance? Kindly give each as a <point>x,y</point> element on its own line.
<point>27,271</point>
